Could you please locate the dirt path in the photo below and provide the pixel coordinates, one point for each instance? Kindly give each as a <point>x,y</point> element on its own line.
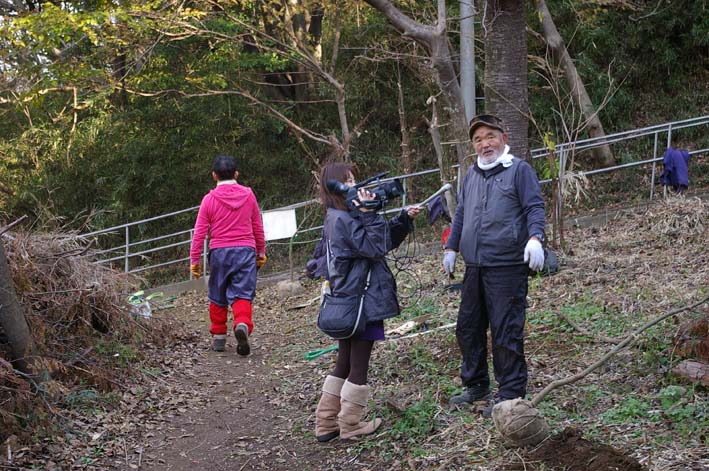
<point>260,410</point>
<point>256,413</point>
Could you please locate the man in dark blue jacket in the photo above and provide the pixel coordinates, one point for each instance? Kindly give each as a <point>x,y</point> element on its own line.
<point>499,230</point>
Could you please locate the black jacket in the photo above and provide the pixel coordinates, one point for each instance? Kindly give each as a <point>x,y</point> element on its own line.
<point>356,242</point>
<point>498,211</point>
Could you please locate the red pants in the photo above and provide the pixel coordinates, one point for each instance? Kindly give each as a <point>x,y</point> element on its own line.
<point>218,315</point>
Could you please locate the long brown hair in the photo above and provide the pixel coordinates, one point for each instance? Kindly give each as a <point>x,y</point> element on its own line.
<point>339,171</point>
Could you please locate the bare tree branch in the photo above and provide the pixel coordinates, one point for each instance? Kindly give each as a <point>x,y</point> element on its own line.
<point>632,337</point>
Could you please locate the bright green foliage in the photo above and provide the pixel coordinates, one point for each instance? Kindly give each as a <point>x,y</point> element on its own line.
<point>417,421</point>
<point>676,404</point>
<point>122,354</point>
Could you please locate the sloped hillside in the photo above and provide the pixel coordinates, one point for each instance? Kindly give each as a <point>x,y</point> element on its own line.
<point>196,409</point>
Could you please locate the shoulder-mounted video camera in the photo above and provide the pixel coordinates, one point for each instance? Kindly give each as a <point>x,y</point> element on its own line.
<point>383,192</point>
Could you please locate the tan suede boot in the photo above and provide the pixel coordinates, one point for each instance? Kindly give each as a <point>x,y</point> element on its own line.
<point>326,427</point>
<point>353,403</point>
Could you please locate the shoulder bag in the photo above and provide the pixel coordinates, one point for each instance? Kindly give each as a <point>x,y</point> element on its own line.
<point>342,317</point>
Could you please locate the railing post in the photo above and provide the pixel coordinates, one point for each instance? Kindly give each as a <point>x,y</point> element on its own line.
<point>205,251</point>
<point>669,144</point>
<point>189,249</point>
<point>560,197</point>
<point>654,166</point>
<point>403,198</point>
<point>127,263</point>
<point>459,183</point>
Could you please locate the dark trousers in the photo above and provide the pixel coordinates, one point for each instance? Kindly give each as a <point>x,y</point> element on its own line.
<point>494,297</point>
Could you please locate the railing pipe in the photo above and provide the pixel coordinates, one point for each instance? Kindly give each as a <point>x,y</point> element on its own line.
<point>127,253</point>
<point>163,264</point>
<point>609,138</point>
<point>142,221</point>
<point>562,149</point>
<point>143,252</point>
<point>141,242</point>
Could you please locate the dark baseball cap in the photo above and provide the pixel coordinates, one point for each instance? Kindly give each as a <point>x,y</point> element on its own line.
<point>489,120</point>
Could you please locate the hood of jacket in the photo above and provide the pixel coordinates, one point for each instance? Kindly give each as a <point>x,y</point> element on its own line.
<point>231,195</point>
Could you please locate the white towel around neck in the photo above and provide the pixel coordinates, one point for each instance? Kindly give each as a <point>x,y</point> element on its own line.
<point>505,159</point>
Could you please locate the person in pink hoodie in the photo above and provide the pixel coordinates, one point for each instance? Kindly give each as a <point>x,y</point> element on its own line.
<point>230,216</point>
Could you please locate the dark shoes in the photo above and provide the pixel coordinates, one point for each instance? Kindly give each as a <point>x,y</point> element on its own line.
<point>241,332</point>
<point>487,412</point>
<point>470,395</point>
<point>218,343</point>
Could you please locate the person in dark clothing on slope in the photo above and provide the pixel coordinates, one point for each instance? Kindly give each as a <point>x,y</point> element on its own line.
<point>356,241</point>
<point>498,228</point>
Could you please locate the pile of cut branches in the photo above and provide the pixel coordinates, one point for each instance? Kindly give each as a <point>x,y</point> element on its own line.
<point>84,336</point>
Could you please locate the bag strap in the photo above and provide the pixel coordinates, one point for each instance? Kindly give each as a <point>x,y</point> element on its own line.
<point>327,256</point>
<point>366,283</point>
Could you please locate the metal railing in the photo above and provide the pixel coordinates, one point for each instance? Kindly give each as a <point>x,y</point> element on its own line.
<point>132,252</point>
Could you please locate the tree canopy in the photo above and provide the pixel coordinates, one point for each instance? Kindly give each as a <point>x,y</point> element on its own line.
<point>119,107</point>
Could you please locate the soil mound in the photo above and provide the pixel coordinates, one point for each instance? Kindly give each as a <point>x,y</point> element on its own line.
<point>571,452</point>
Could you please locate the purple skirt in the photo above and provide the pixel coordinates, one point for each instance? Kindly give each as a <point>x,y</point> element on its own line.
<point>373,331</point>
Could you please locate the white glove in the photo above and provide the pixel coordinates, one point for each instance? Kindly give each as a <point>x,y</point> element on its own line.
<point>449,261</point>
<point>534,254</point>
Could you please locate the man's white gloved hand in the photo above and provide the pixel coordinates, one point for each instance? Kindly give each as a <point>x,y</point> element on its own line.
<point>449,261</point>
<point>534,254</point>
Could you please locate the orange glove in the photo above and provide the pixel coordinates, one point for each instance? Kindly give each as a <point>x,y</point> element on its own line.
<point>196,270</point>
<point>261,260</point>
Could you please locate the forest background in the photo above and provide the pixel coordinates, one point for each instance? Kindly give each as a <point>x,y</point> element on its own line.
<point>116,109</point>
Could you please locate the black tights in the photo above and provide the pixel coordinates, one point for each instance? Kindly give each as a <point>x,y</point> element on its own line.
<point>353,360</point>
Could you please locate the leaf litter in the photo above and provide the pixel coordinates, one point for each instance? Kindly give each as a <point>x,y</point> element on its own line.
<point>180,406</point>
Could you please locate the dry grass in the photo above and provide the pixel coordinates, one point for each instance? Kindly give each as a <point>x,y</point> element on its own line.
<point>77,314</point>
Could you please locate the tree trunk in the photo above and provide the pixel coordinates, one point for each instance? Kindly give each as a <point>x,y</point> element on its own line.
<point>438,147</point>
<point>555,42</point>
<point>118,70</point>
<point>405,139</point>
<point>448,82</point>
<point>506,79</point>
<point>435,41</point>
<point>297,26</point>
<point>12,320</point>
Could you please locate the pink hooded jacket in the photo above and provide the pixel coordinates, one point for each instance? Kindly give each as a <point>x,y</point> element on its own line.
<point>230,215</point>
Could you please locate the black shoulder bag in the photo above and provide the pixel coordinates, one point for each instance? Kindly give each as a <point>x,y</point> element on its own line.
<point>342,317</point>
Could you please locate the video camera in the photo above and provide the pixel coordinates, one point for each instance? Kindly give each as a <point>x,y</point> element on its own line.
<point>382,192</point>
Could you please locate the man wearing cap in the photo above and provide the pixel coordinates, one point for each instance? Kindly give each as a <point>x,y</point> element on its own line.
<point>499,229</point>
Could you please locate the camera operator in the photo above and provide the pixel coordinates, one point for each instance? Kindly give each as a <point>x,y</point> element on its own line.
<point>356,241</point>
